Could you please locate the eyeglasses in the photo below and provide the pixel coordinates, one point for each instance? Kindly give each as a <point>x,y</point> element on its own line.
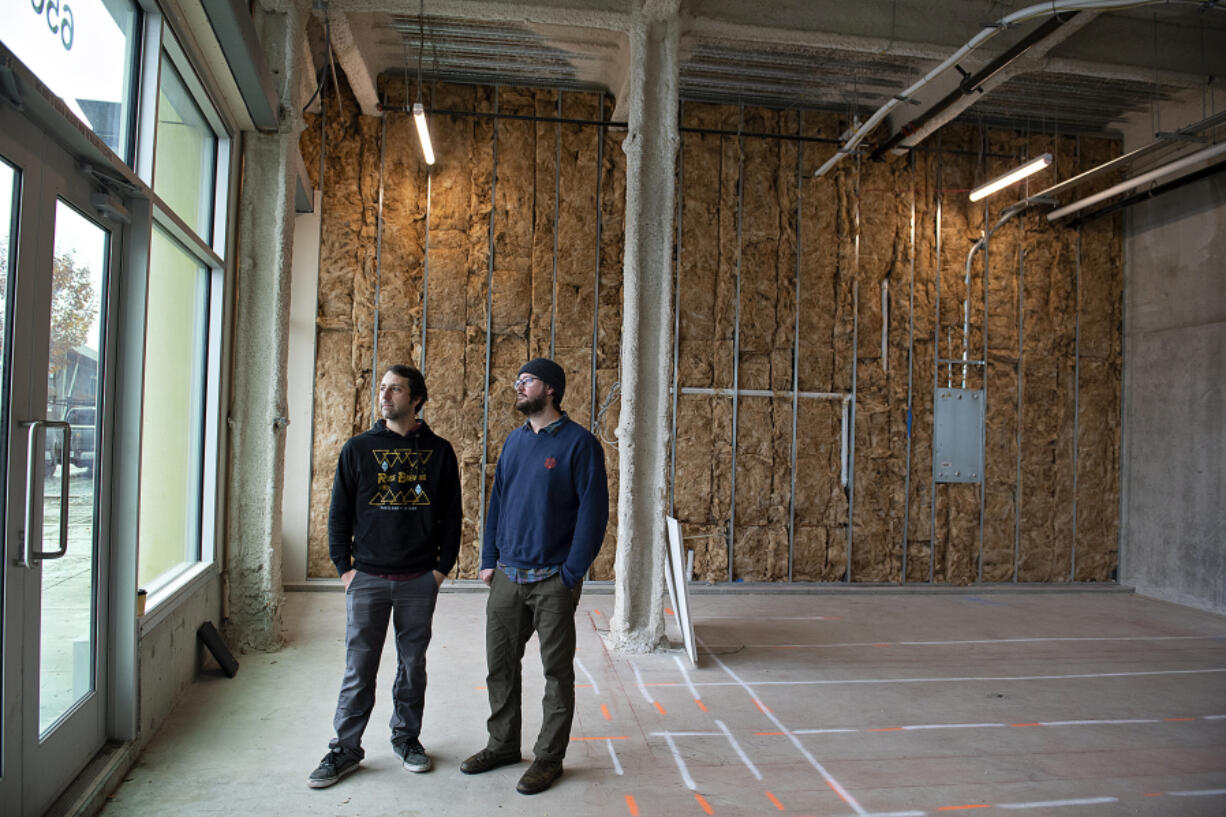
<point>524,381</point>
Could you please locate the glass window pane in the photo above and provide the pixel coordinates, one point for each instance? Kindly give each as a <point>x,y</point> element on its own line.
<point>84,51</point>
<point>9,186</point>
<point>173,412</point>
<point>66,668</point>
<point>185,155</point>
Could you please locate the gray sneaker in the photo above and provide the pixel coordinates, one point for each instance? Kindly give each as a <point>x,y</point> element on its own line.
<point>411,754</point>
<point>335,765</point>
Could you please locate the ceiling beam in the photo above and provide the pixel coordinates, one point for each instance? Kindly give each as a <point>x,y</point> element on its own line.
<point>352,59</point>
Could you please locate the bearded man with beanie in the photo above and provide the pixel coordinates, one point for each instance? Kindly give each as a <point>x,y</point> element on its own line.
<point>548,510</point>
<point>393,535</point>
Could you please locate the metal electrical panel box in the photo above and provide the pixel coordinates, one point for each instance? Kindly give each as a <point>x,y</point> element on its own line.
<point>957,446</point>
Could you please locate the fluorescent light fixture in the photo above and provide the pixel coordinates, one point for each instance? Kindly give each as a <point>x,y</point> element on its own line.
<point>1208,154</point>
<point>1013,176</point>
<point>423,133</point>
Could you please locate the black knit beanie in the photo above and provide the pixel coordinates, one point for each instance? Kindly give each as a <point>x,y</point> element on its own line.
<point>549,372</point>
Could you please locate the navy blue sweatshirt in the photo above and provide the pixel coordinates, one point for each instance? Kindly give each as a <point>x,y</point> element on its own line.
<point>395,503</point>
<point>550,501</point>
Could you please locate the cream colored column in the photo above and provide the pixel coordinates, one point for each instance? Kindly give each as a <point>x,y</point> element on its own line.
<point>651,160</point>
<point>259,355</point>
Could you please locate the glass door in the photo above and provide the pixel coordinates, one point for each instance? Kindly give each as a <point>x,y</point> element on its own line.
<point>55,258</point>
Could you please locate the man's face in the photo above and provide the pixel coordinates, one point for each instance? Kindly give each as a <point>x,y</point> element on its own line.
<point>531,394</point>
<point>395,402</point>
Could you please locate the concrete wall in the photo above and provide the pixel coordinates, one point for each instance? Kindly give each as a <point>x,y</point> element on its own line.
<point>171,657</point>
<point>1173,543</point>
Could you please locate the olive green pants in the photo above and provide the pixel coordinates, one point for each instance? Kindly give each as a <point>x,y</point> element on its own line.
<point>512,613</point>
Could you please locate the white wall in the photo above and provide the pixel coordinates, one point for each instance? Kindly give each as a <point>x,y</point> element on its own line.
<point>300,394</point>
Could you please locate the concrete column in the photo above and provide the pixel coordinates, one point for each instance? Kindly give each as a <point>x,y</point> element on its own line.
<point>651,161</point>
<point>259,357</point>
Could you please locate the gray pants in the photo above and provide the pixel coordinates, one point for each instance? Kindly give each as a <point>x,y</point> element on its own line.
<point>511,614</point>
<point>369,602</point>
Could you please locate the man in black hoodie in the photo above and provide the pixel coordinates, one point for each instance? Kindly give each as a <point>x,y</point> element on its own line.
<point>393,534</point>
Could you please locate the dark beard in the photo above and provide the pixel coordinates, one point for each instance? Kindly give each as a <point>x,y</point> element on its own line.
<point>530,406</point>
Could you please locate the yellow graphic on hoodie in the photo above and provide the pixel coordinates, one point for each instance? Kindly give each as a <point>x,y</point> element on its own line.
<point>398,467</point>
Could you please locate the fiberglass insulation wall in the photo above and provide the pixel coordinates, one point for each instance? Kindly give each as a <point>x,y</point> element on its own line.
<point>533,305</point>
<point>749,209</point>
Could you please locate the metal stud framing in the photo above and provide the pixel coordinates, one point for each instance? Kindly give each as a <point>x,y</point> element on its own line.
<point>557,194</point>
<point>1021,341</point>
<point>595,394</point>
<point>425,269</point>
<point>800,151</point>
<point>906,501</point>
<point>489,325</point>
<point>983,427</point>
<point>736,332</point>
<point>374,355</point>
<point>855,357</point>
<point>672,454</point>
<point>936,373</point>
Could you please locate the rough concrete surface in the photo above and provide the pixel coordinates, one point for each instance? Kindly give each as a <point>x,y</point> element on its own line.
<point>1058,704</point>
<point>1175,416</point>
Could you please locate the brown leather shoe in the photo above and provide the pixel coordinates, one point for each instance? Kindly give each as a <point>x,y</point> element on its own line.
<point>486,760</point>
<point>540,776</point>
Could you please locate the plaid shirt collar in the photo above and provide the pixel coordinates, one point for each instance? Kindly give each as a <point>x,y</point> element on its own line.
<point>552,429</point>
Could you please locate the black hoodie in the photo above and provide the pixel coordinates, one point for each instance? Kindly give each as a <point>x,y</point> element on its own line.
<point>395,503</point>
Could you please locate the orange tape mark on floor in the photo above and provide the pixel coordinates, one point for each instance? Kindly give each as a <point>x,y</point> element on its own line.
<point>774,800</point>
<point>1023,724</point>
<point>660,708</point>
<point>702,801</point>
<point>761,706</point>
<point>1179,719</point>
<point>887,729</point>
<point>604,710</point>
<point>768,734</point>
<point>959,808</point>
<point>605,737</point>
<point>669,611</point>
<point>883,645</point>
<point>632,806</point>
<point>842,796</point>
<point>1153,794</point>
<point>701,705</point>
<point>597,612</point>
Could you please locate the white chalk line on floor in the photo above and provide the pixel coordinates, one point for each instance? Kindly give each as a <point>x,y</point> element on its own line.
<point>681,767</point>
<point>969,641</point>
<point>937,726</point>
<point>617,766</point>
<point>739,751</point>
<point>689,682</point>
<point>591,680</point>
<point>932,680</point>
<point>638,680</point>
<point>800,747</point>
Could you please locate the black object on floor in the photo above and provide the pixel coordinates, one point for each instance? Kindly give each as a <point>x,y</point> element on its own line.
<point>209,636</point>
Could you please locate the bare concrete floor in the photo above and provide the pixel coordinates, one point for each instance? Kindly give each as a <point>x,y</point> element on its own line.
<point>1043,703</point>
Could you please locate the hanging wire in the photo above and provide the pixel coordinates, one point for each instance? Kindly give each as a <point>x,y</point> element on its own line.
<point>323,71</point>
<point>421,42</point>
<point>614,390</point>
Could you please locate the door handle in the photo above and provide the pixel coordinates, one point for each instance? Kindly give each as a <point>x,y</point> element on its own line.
<point>31,555</point>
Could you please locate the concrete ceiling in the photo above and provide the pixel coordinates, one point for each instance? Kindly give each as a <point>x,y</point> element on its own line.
<point>828,54</point>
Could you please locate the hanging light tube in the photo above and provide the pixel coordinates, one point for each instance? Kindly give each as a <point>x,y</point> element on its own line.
<point>1209,153</point>
<point>1012,177</point>
<point>423,132</point>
